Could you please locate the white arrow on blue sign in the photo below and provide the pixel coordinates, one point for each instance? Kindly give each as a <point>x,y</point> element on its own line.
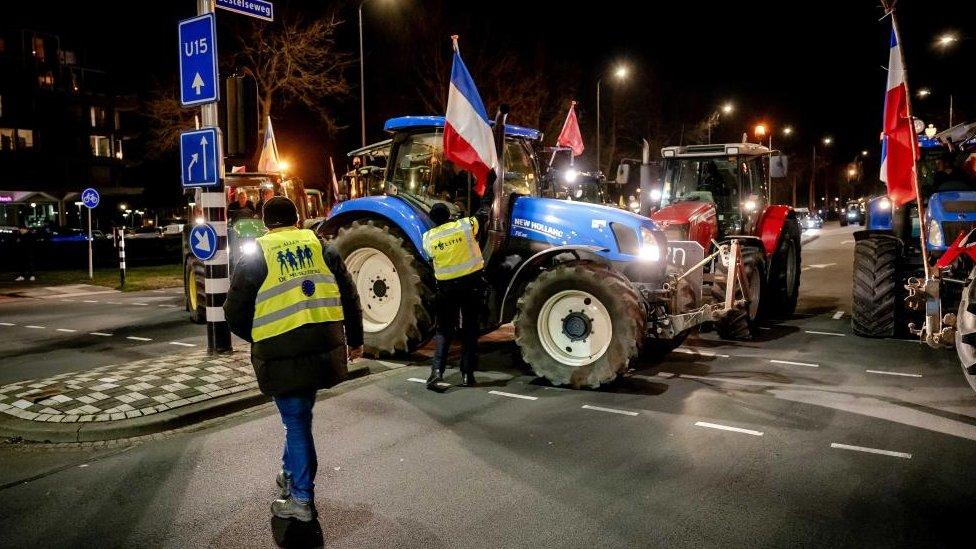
<point>199,150</point>
<point>198,61</point>
<point>203,241</point>
<point>90,198</point>
<point>255,8</point>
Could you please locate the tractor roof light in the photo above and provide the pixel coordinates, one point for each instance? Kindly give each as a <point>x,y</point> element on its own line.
<point>884,204</point>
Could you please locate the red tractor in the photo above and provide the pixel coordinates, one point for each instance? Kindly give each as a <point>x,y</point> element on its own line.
<point>716,195</point>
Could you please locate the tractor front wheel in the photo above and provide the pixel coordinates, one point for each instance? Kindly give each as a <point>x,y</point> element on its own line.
<point>579,324</point>
<point>876,298</point>
<point>742,321</point>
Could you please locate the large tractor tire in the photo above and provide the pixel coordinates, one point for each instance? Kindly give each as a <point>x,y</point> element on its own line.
<point>579,324</point>
<point>966,332</point>
<point>396,290</point>
<point>876,298</point>
<point>741,323</point>
<point>194,295</point>
<point>784,275</point>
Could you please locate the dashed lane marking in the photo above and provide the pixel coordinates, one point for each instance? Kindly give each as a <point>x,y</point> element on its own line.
<point>512,395</point>
<point>790,362</point>
<point>838,315</point>
<point>141,304</point>
<point>424,381</point>
<point>67,330</point>
<point>88,301</point>
<point>115,303</point>
<point>903,455</point>
<point>181,344</point>
<point>7,324</point>
<point>102,334</point>
<point>815,332</point>
<point>168,306</point>
<point>610,410</point>
<point>699,352</point>
<point>32,327</point>
<point>883,372</point>
<point>137,338</point>
<point>728,428</point>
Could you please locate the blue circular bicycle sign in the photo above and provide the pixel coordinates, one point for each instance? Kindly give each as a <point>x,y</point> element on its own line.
<point>90,198</point>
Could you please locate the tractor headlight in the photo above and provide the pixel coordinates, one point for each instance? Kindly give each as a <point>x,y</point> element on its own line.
<point>649,250</point>
<point>570,175</point>
<point>936,238</point>
<point>249,247</point>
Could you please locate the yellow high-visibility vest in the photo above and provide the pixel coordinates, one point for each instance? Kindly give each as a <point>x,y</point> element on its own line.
<point>454,249</point>
<point>299,289</point>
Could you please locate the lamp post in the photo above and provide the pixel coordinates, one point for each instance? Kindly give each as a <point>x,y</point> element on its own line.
<point>620,73</point>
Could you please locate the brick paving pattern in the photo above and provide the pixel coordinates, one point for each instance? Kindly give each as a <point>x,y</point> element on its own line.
<point>129,390</point>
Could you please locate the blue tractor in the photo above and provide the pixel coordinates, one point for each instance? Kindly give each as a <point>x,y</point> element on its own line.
<point>891,294</point>
<point>586,286</point>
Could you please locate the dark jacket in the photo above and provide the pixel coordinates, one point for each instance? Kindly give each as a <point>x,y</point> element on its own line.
<point>309,357</point>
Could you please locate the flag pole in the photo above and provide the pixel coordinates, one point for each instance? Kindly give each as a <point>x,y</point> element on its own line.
<point>922,233</point>
<point>454,41</point>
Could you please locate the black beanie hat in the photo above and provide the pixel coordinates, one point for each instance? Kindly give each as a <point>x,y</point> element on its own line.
<point>439,213</point>
<point>279,211</point>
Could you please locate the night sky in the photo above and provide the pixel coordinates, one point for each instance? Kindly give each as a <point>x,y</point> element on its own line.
<point>820,70</point>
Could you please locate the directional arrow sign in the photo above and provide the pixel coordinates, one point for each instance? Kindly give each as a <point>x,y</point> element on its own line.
<point>198,61</point>
<point>199,151</point>
<point>203,241</point>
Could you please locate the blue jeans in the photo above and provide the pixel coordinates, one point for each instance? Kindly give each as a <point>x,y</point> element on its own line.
<point>299,460</point>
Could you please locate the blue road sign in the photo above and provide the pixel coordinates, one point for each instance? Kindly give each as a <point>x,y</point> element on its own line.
<point>199,151</point>
<point>198,61</point>
<point>203,241</point>
<point>90,197</point>
<point>254,8</point>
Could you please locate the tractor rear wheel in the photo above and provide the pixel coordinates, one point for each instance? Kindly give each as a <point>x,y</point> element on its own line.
<point>193,290</point>
<point>784,274</point>
<point>742,321</point>
<point>579,324</point>
<point>876,298</point>
<point>395,290</point>
<point>966,332</point>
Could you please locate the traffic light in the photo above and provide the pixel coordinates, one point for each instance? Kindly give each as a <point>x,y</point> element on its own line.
<point>241,119</point>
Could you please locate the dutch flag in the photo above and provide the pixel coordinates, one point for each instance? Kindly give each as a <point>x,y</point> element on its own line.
<point>898,144</point>
<point>468,141</point>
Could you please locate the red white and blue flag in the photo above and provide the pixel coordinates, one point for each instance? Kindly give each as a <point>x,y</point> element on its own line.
<point>898,144</point>
<point>468,141</point>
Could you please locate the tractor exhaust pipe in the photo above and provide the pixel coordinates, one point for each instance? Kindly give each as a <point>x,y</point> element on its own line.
<point>497,215</point>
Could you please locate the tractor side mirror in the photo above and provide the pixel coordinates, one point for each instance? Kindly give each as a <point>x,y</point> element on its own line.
<point>623,173</point>
<point>778,164</point>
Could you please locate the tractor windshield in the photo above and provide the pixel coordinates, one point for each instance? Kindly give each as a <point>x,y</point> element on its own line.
<point>420,172</point>
<point>701,179</point>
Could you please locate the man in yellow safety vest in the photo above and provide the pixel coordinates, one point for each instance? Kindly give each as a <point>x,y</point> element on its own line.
<point>293,299</point>
<point>453,248</point>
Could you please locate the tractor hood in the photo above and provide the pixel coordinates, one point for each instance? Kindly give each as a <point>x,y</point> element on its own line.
<point>565,222</point>
<point>682,213</point>
<point>952,213</point>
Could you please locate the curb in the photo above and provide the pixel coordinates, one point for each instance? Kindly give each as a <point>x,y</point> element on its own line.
<point>43,432</point>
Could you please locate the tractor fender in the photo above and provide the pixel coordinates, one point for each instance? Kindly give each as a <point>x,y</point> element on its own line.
<point>411,221</point>
<point>525,270</point>
<point>769,227</point>
<point>867,233</point>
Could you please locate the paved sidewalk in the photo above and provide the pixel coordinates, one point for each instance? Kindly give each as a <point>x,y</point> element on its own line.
<point>136,398</point>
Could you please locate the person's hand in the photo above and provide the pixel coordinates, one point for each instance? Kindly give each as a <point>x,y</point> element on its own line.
<point>355,353</point>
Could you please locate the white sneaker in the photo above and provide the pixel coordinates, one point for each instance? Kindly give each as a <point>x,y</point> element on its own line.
<point>19,279</point>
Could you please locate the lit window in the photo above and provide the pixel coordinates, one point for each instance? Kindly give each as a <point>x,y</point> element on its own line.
<point>6,139</point>
<point>118,149</point>
<point>97,115</point>
<point>38,50</point>
<point>25,139</point>
<point>46,80</point>
<point>101,145</point>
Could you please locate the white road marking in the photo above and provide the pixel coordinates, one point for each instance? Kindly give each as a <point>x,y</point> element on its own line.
<point>89,301</point>
<point>169,306</point>
<point>67,330</point>
<point>513,395</point>
<point>902,455</point>
<point>610,410</point>
<point>31,326</point>
<point>727,428</point>
<point>819,266</point>
<point>141,304</point>
<point>838,315</point>
<point>424,381</point>
<point>181,344</point>
<point>103,334</point>
<point>846,241</point>
<point>7,324</point>
<point>699,352</point>
<point>795,363</point>
<point>136,338</point>
<point>67,301</point>
<point>114,303</point>
<point>892,373</point>
<point>825,333</point>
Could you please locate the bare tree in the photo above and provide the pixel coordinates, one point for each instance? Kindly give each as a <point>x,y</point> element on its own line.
<point>295,61</point>
<point>167,118</point>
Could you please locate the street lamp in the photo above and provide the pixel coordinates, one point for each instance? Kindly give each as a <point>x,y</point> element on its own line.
<point>362,78</point>
<point>760,131</point>
<point>923,93</point>
<point>864,153</point>
<point>788,130</point>
<point>828,140</point>
<point>946,39</point>
<point>620,73</point>
<point>728,108</point>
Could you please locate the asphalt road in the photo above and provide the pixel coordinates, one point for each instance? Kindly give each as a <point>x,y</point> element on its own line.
<point>808,436</point>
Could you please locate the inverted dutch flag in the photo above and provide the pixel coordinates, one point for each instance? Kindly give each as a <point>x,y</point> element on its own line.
<point>898,145</point>
<point>468,141</point>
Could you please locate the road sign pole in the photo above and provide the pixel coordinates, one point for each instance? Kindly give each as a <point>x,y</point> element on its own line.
<point>214,205</point>
<point>91,272</point>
